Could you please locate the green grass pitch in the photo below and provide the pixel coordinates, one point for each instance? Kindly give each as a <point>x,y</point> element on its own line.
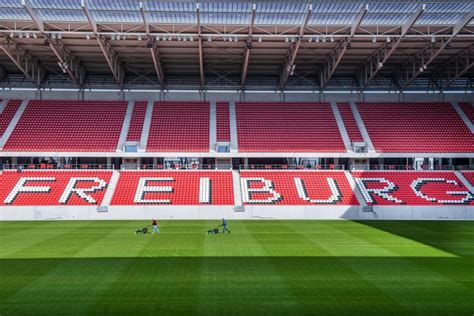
<point>262,268</point>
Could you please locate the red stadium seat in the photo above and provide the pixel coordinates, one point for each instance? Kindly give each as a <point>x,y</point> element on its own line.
<point>185,187</point>
<point>179,127</point>
<point>136,123</point>
<point>222,122</point>
<point>284,188</point>
<point>7,115</point>
<point>68,126</point>
<point>468,108</point>
<point>398,187</point>
<point>287,127</point>
<point>47,187</point>
<point>350,123</point>
<point>416,127</point>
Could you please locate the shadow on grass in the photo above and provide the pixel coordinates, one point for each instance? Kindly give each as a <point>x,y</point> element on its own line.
<point>455,237</point>
<point>237,285</point>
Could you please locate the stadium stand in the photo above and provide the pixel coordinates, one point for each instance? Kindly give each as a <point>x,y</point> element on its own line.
<point>136,124</point>
<point>185,187</point>
<point>68,126</point>
<point>7,114</point>
<point>287,127</point>
<point>416,127</point>
<point>53,187</point>
<point>468,108</point>
<point>350,123</point>
<point>412,188</point>
<point>223,122</point>
<point>469,175</point>
<point>296,188</point>
<point>179,127</point>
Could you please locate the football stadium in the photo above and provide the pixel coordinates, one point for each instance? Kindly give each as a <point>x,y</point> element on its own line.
<point>214,157</point>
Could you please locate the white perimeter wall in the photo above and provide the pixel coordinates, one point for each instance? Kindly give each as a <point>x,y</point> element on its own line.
<point>14,213</point>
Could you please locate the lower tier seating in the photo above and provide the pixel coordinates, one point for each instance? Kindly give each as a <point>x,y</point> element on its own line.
<point>174,187</point>
<point>296,188</point>
<point>56,187</point>
<point>412,188</point>
<point>216,187</point>
<point>469,175</point>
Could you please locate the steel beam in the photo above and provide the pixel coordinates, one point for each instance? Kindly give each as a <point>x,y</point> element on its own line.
<point>455,68</point>
<point>375,63</point>
<point>39,23</point>
<point>155,55</point>
<point>201,57</point>
<point>144,18</point>
<point>110,55</point>
<point>248,47</point>
<point>66,61</point>
<point>28,65</point>
<point>3,73</point>
<point>420,63</point>
<point>338,52</point>
<point>289,63</point>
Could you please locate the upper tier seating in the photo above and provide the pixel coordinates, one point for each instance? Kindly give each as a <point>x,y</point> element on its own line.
<point>179,127</point>
<point>312,188</point>
<point>350,123</point>
<point>136,123</point>
<point>7,115</point>
<point>69,126</point>
<point>400,189</point>
<point>468,108</point>
<point>50,187</point>
<point>222,122</point>
<point>416,127</point>
<point>188,187</point>
<point>287,127</point>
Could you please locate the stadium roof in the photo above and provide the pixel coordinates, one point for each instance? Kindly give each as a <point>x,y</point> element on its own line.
<point>299,45</point>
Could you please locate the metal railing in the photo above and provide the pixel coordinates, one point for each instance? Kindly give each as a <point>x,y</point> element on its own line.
<point>50,166</point>
<point>174,167</point>
<point>400,167</point>
<point>292,167</point>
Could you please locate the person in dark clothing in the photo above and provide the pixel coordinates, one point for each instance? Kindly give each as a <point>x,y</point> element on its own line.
<point>224,226</point>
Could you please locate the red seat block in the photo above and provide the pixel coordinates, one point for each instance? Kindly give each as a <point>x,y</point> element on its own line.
<point>350,122</point>
<point>50,187</point>
<point>179,127</point>
<point>416,127</point>
<point>412,188</point>
<point>7,115</point>
<point>222,122</point>
<point>468,108</point>
<point>68,126</point>
<point>287,127</point>
<point>285,187</point>
<point>469,175</point>
<point>136,123</point>
<point>179,187</point>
